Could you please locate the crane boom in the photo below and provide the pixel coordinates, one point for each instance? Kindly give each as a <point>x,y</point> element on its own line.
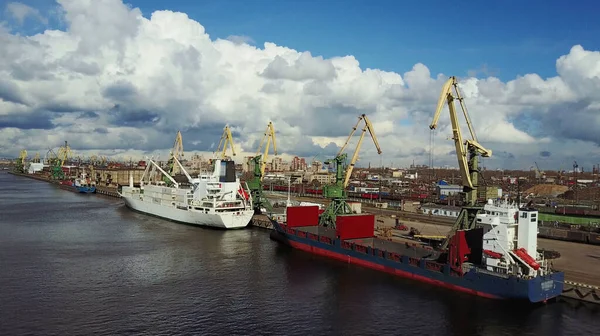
<point>462,147</point>
<point>369,127</point>
<point>226,139</point>
<point>176,152</point>
<point>269,136</point>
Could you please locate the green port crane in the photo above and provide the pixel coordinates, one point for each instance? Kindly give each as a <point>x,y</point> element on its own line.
<point>56,161</point>
<point>259,162</point>
<point>467,153</point>
<point>337,191</point>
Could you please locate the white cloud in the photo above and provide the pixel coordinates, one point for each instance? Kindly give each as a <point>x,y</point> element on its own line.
<point>115,80</point>
<point>21,11</point>
<point>240,39</point>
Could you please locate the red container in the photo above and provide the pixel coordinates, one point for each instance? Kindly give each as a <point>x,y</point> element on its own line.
<point>355,226</point>
<point>302,216</point>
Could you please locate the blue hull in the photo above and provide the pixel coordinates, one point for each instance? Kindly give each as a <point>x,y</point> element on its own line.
<point>477,281</point>
<point>86,190</point>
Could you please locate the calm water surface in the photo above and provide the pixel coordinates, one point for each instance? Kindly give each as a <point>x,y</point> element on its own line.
<point>75,264</point>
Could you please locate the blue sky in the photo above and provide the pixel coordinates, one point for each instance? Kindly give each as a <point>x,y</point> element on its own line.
<point>500,38</point>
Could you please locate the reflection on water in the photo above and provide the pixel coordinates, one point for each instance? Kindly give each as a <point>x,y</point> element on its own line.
<point>74,264</point>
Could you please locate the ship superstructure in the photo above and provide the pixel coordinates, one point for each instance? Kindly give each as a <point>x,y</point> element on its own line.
<point>510,239</point>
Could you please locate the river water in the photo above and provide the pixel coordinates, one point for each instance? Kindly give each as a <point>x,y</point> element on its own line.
<point>73,264</point>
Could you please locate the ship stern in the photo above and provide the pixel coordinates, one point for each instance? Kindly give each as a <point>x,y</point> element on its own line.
<point>547,287</point>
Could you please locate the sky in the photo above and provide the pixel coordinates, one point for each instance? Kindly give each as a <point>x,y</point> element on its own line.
<point>120,79</point>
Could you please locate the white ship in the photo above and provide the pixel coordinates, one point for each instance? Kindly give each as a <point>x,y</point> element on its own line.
<point>216,200</point>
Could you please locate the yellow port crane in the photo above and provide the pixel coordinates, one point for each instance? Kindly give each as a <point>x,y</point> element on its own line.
<point>337,192</point>
<point>260,163</point>
<point>176,152</point>
<point>368,127</point>
<point>226,139</point>
<point>64,154</point>
<point>268,136</point>
<point>467,152</point>
<point>20,162</point>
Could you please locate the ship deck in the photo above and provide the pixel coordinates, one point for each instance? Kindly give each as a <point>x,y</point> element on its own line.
<point>407,249</point>
<point>318,230</point>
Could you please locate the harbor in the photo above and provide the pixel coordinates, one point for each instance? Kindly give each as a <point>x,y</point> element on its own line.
<point>581,278</point>
<point>85,272</point>
<point>308,168</point>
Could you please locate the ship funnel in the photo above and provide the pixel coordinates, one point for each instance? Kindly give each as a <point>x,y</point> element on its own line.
<point>130,179</point>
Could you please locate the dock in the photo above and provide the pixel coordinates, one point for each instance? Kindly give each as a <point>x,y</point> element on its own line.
<point>581,292</point>
<point>107,191</point>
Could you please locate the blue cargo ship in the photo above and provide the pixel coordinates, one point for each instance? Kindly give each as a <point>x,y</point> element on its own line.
<point>86,189</point>
<point>498,259</point>
<point>84,186</point>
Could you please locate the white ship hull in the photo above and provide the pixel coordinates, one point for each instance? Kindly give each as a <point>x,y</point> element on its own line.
<point>229,220</point>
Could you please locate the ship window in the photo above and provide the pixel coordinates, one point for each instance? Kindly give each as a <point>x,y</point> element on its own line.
<point>523,214</point>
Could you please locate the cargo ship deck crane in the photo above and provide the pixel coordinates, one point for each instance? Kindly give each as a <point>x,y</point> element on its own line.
<point>226,139</point>
<point>467,152</point>
<point>176,152</point>
<point>260,162</point>
<point>337,192</point>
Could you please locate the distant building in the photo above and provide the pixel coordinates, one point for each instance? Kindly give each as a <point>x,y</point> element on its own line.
<point>411,175</point>
<point>440,210</point>
<point>445,190</point>
<point>298,164</point>
<point>323,178</point>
